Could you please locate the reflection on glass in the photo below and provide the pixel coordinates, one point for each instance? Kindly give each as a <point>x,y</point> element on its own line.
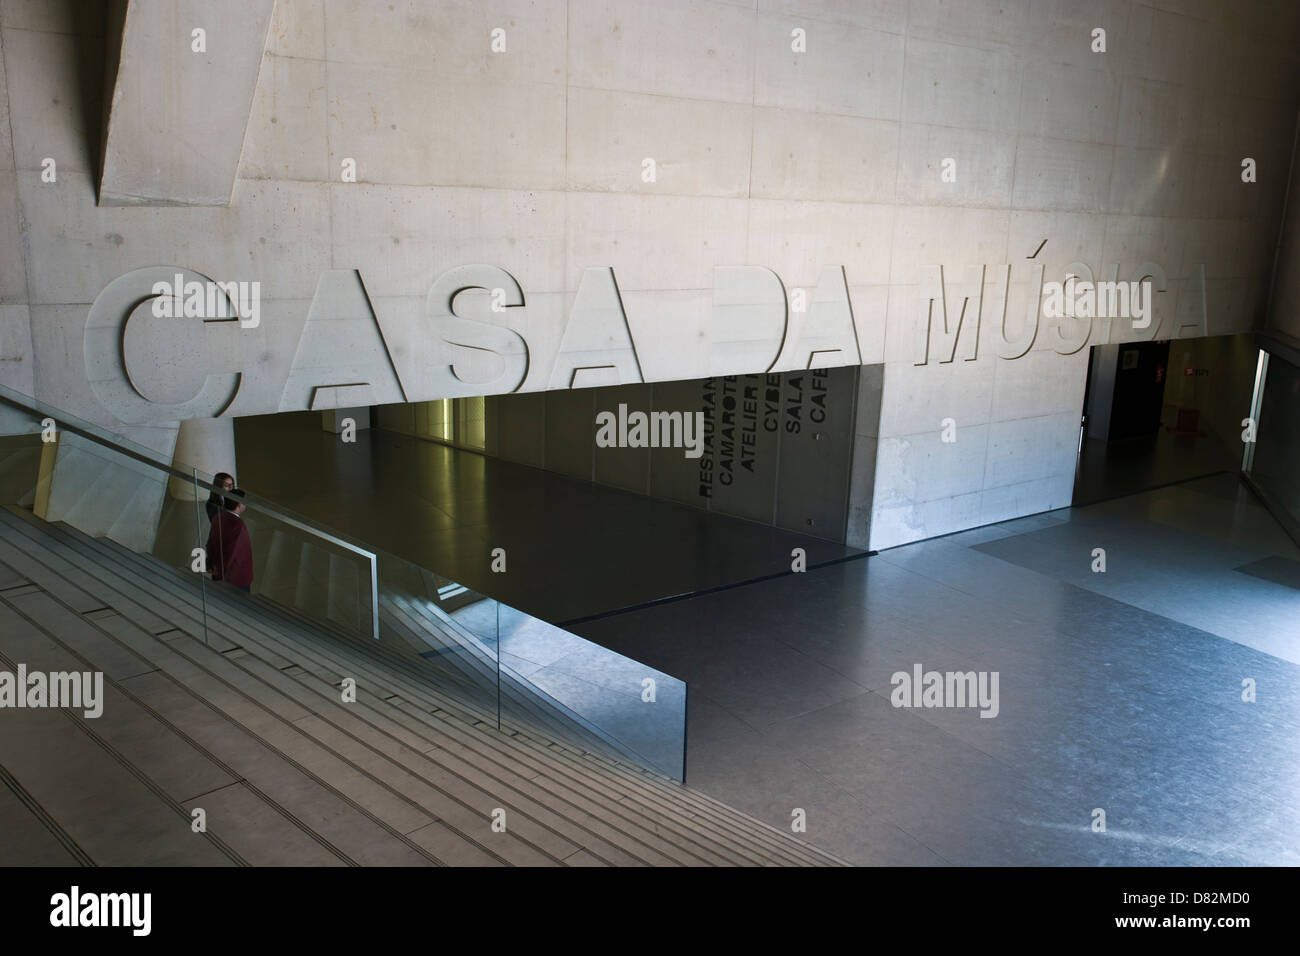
<point>489,662</point>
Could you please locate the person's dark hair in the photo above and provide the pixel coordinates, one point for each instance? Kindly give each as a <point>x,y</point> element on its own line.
<point>219,486</point>
<point>215,503</point>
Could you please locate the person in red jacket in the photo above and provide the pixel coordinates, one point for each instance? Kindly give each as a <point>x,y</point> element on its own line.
<point>230,551</point>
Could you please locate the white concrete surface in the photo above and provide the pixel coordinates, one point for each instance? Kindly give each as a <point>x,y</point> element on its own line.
<point>184,80</point>
<point>532,161</point>
<point>205,445</point>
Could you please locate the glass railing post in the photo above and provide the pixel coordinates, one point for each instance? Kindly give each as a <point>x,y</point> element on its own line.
<point>374,596</point>
<point>686,723</point>
<point>498,656</point>
<point>200,541</point>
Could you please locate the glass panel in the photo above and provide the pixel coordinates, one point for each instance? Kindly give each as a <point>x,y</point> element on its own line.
<point>72,501</point>
<point>1275,465</point>
<point>20,457</point>
<point>450,629</point>
<point>591,696</point>
<point>201,528</point>
<point>502,666</point>
<point>317,578</point>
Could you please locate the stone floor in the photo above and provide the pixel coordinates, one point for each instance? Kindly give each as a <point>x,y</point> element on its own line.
<point>1119,691</point>
<point>1137,464</point>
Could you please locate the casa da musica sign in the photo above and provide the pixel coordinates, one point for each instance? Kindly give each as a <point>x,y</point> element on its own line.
<point>345,353</point>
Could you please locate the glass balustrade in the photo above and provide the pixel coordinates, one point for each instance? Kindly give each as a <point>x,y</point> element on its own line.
<point>133,509</point>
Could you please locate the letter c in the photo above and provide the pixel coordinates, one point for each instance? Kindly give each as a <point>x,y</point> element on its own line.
<point>106,371</point>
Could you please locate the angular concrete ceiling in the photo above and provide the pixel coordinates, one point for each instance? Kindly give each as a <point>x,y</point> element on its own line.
<point>183,85</point>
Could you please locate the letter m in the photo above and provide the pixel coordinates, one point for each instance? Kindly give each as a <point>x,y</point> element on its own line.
<point>1116,299</point>
<point>117,909</point>
<point>65,686</point>
<point>666,430</point>
<point>961,688</point>
<point>229,297</point>
<point>946,314</point>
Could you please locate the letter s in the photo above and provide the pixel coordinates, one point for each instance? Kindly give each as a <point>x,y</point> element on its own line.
<point>486,359</point>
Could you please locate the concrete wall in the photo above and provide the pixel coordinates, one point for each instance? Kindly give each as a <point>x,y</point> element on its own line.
<point>183,79</point>
<point>866,439</point>
<point>825,166</point>
<point>15,316</point>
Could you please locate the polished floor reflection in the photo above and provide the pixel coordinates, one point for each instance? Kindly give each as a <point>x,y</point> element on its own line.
<point>1119,691</point>
<point>447,510</point>
<point>1139,464</point>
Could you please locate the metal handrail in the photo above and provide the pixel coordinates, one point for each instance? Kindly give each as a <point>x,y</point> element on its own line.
<point>126,447</point>
<point>123,446</point>
<point>335,539</point>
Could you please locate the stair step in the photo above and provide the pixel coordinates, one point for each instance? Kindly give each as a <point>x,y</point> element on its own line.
<point>31,837</point>
<point>262,699</point>
<point>117,818</point>
<point>778,838</point>
<point>278,720</point>
<point>160,569</point>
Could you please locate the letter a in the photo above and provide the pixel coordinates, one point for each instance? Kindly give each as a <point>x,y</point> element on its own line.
<point>597,345</point>
<point>827,335</point>
<point>605,428</point>
<point>342,359</point>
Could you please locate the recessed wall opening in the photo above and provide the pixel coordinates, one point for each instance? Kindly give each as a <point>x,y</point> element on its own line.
<point>1161,412</point>
<point>591,491</point>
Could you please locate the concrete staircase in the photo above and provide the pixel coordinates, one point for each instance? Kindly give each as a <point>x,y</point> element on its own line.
<point>251,727</point>
<point>473,668</point>
<point>314,583</point>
